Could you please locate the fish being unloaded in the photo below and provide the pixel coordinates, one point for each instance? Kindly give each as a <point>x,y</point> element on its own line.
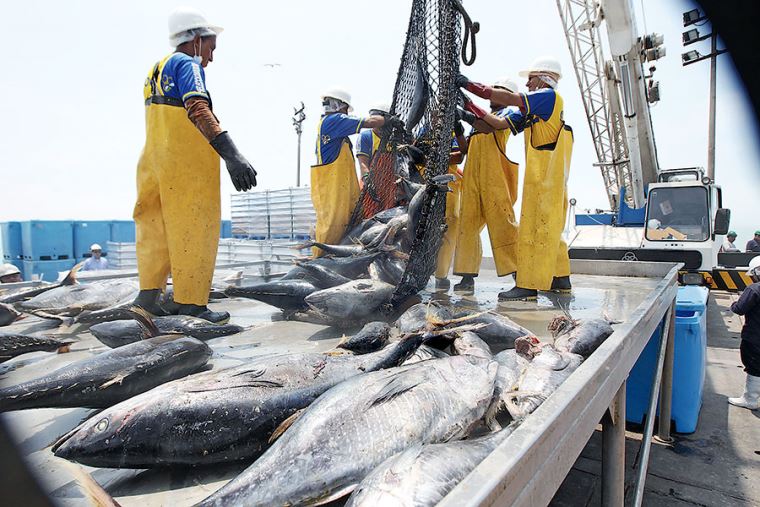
<point>15,344</point>
<point>420,96</point>
<point>422,475</point>
<point>8,314</point>
<point>122,332</point>
<point>71,300</point>
<point>350,267</point>
<point>217,416</point>
<point>470,344</point>
<point>547,369</point>
<point>371,337</point>
<point>511,366</point>
<point>423,316</point>
<point>387,270</point>
<point>358,424</point>
<point>425,353</point>
<point>579,336</point>
<point>437,184</point>
<point>352,300</point>
<point>336,250</point>
<point>284,294</point>
<point>111,376</point>
<point>325,278</point>
<point>499,332</point>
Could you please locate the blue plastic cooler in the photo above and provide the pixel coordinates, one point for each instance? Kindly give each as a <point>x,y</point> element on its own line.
<point>688,364</point>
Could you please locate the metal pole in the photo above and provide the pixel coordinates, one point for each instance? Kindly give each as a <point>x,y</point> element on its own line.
<point>711,114</point>
<point>646,443</point>
<point>613,452</point>
<point>666,389</point>
<point>298,170</point>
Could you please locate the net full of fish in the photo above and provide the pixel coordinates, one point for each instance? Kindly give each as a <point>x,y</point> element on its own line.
<point>220,415</point>
<point>356,425</point>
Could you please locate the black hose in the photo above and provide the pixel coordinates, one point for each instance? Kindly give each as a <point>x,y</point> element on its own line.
<point>470,29</point>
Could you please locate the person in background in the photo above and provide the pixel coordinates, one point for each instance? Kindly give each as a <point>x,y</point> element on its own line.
<point>543,263</point>
<point>753,245</point>
<point>334,186</point>
<point>10,274</point>
<point>748,305</point>
<point>489,191</point>
<point>369,140</point>
<point>178,209</point>
<point>96,262</point>
<point>728,245</point>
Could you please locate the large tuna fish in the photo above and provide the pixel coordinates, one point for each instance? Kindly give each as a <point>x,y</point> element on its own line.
<point>30,292</point>
<point>216,416</point>
<point>14,344</point>
<point>352,300</point>
<point>511,367</point>
<point>122,332</point>
<point>579,336</point>
<point>110,377</point>
<point>71,300</point>
<point>422,475</point>
<point>499,331</point>
<point>358,424</point>
<point>371,337</point>
<point>284,294</point>
<point>8,314</point>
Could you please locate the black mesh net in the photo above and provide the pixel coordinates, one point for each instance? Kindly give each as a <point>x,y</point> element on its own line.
<point>425,98</point>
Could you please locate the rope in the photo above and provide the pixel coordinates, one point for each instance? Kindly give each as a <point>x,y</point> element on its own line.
<point>470,29</point>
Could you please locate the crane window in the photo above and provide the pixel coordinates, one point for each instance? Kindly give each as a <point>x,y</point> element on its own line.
<point>678,214</point>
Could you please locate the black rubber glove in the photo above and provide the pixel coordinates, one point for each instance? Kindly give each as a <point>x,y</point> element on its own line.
<point>467,116</point>
<point>394,122</point>
<point>458,128</point>
<point>415,154</point>
<point>242,173</point>
<point>461,81</point>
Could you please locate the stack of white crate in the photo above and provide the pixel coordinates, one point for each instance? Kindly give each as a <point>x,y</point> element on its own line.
<point>121,255</point>
<point>273,214</point>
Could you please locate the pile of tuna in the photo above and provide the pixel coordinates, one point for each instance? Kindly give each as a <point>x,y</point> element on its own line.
<point>399,415</point>
<point>355,280</point>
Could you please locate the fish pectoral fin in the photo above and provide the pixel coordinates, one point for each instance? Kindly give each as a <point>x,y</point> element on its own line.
<point>284,425</point>
<point>118,379</point>
<point>91,489</point>
<point>334,353</point>
<point>330,497</point>
<point>394,388</point>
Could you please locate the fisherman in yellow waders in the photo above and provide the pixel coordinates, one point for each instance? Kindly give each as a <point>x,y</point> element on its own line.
<point>178,208</point>
<point>489,191</point>
<point>542,258</point>
<point>334,186</point>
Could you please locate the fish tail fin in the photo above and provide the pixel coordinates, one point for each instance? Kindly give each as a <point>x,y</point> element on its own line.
<point>93,491</point>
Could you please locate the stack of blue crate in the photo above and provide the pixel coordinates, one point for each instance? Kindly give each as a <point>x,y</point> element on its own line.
<point>47,247</point>
<point>87,232</point>
<point>123,231</point>
<point>11,237</point>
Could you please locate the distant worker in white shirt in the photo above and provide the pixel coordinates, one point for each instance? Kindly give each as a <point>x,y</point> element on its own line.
<point>96,262</point>
<point>728,245</point>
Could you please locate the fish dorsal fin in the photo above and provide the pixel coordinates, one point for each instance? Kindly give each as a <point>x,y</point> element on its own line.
<point>145,320</point>
<point>284,425</point>
<point>71,276</point>
<point>395,387</point>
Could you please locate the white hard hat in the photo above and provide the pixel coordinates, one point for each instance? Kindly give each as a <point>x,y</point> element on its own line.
<point>95,246</point>
<point>183,19</point>
<point>507,83</point>
<point>543,64</point>
<point>653,224</point>
<point>754,266</point>
<point>383,107</point>
<point>339,94</point>
<point>8,269</point>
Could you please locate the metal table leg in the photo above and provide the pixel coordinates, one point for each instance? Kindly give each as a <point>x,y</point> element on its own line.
<point>613,452</point>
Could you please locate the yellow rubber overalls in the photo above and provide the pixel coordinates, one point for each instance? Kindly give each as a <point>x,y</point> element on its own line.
<point>178,211</point>
<point>449,242</point>
<point>541,252</point>
<point>334,192</point>
<point>489,191</point>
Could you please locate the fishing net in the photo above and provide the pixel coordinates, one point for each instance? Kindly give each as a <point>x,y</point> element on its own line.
<point>425,98</point>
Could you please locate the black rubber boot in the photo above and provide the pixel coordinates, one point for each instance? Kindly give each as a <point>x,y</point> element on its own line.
<point>147,299</point>
<point>518,294</point>
<point>561,284</point>
<point>442,283</point>
<point>466,283</point>
<point>202,312</point>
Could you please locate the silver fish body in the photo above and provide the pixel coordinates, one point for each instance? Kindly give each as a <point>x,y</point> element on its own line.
<point>584,338</point>
<point>358,424</point>
<point>425,353</point>
<point>74,299</point>
<point>352,300</point>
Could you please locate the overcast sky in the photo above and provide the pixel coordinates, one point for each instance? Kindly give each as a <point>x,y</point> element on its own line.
<point>73,116</point>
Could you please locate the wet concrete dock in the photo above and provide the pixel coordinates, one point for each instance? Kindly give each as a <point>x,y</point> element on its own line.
<point>36,430</point>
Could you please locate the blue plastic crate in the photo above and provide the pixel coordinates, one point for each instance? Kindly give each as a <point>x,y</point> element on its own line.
<point>226,230</point>
<point>47,270</point>
<point>123,231</point>
<point>689,362</point>
<point>11,233</point>
<point>88,232</point>
<point>47,240</point>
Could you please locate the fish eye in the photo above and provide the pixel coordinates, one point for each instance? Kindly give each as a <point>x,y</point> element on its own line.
<point>102,425</point>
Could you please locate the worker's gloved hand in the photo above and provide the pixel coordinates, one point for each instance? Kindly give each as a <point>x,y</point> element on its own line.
<point>478,111</point>
<point>242,173</point>
<point>393,122</point>
<point>458,128</point>
<point>415,154</point>
<point>466,116</point>
<point>478,89</point>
